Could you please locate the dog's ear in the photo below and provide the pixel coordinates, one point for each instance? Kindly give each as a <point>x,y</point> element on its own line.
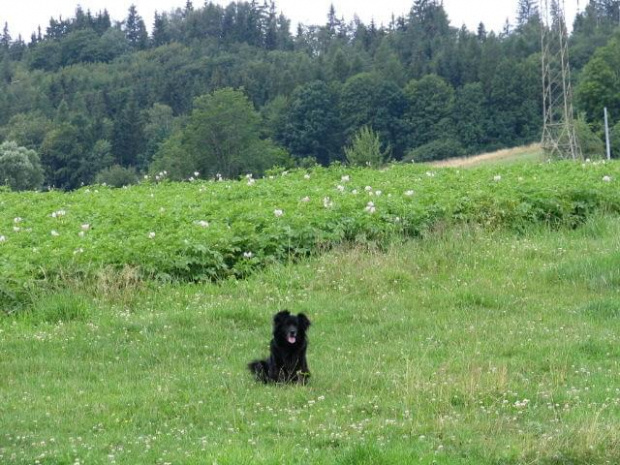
<point>304,322</point>
<point>280,317</point>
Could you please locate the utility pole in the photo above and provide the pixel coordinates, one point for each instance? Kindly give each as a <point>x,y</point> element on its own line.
<point>558,138</point>
<point>607,143</point>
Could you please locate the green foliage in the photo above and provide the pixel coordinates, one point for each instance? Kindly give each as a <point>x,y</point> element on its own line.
<point>614,140</point>
<point>218,229</point>
<point>20,168</point>
<point>117,176</point>
<point>365,149</point>
<point>436,150</point>
<point>591,144</point>
<point>222,136</point>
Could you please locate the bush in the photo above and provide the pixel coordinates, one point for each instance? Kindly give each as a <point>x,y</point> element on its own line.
<point>436,150</point>
<point>117,176</point>
<point>591,145</point>
<point>365,149</point>
<point>20,168</point>
<point>614,139</point>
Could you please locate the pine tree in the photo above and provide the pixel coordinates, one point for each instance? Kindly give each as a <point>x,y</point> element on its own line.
<point>5,40</point>
<point>135,30</point>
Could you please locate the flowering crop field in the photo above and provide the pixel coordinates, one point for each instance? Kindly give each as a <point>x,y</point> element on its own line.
<point>198,231</point>
<point>493,339</point>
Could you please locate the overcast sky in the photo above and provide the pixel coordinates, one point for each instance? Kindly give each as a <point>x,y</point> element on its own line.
<point>23,16</point>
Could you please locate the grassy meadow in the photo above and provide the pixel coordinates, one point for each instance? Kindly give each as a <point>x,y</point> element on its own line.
<point>470,342</point>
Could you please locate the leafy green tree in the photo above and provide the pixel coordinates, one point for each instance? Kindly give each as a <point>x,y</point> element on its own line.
<point>591,145</point>
<point>20,167</point>
<point>222,136</point>
<point>365,149</point>
<point>599,84</point>
<point>470,117</point>
<point>312,124</point>
<point>128,134</point>
<point>428,116</point>
<point>614,140</point>
<point>61,156</point>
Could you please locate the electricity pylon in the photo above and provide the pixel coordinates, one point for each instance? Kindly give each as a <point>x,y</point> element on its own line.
<point>558,139</point>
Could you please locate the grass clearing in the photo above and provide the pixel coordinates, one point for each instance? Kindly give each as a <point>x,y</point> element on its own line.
<point>531,153</point>
<point>467,347</point>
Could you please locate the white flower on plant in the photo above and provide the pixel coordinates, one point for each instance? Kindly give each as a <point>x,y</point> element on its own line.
<point>497,178</point>
<point>354,192</point>
<point>248,254</point>
<point>368,188</point>
<point>345,178</point>
<point>218,177</point>
<point>59,214</point>
<point>278,212</point>
<point>54,233</point>
<point>377,193</point>
<point>306,176</point>
<point>196,173</point>
<point>17,220</point>
<point>151,235</point>
<point>81,234</point>
<point>370,207</point>
<point>340,188</point>
<point>85,227</point>
<point>248,176</point>
<point>17,228</point>
<point>409,193</point>
<point>203,223</point>
<point>77,251</point>
<point>606,178</point>
<point>306,199</point>
<point>146,177</point>
<point>327,202</point>
<point>2,239</point>
<point>251,181</point>
<point>191,179</point>
<point>430,174</point>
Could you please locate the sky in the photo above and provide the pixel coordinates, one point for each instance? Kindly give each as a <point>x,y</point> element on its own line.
<point>23,16</point>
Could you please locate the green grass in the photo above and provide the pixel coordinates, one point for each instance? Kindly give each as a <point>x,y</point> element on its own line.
<point>465,347</point>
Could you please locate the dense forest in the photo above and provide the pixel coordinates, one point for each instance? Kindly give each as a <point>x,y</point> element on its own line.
<point>231,90</point>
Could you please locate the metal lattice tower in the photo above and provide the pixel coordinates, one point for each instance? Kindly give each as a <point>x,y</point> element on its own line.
<point>558,139</point>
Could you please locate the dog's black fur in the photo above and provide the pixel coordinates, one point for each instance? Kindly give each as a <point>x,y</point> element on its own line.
<point>287,360</point>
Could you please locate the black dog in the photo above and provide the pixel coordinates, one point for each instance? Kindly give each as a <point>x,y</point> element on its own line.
<point>287,361</point>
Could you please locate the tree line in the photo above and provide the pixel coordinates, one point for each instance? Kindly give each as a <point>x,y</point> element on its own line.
<point>231,89</point>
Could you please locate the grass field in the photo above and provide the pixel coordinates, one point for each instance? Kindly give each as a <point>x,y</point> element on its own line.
<point>463,347</point>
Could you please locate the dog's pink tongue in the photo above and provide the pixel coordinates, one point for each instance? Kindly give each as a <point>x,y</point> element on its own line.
<point>291,339</point>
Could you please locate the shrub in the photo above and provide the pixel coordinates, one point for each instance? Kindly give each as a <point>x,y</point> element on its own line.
<point>590,143</point>
<point>117,176</point>
<point>20,168</point>
<point>436,150</point>
<point>365,150</point>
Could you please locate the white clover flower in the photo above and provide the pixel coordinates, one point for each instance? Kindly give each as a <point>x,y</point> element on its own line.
<point>368,188</point>
<point>17,220</point>
<point>151,235</point>
<point>54,233</point>
<point>203,223</point>
<point>497,178</point>
<point>345,178</point>
<point>377,193</point>
<point>606,179</point>
<point>340,188</point>
<point>248,254</point>
<point>327,202</point>
<point>306,199</point>
<point>409,193</point>
<point>278,212</point>
<point>306,176</point>
<point>370,207</point>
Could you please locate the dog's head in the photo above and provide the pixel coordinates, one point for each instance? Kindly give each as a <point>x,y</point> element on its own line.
<point>290,329</point>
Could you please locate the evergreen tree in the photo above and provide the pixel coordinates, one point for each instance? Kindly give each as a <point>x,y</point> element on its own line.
<point>135,30</point>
